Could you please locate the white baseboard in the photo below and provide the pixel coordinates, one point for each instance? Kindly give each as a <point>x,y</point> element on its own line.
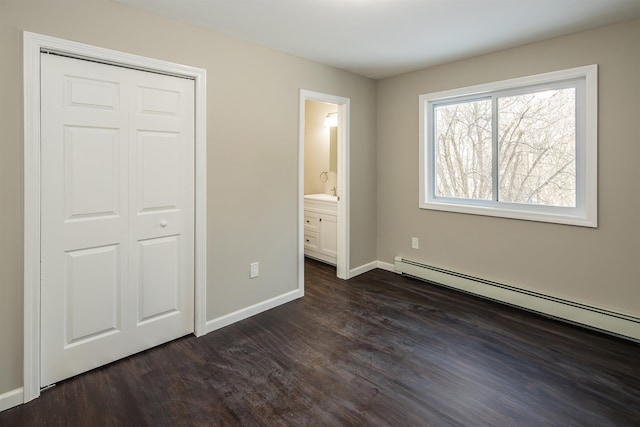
<point>371,266</point>
<point>601,319</point>
<point>245,313</point>
<point>11,398</point>
<point>387,266</point>
<point>362,269</point>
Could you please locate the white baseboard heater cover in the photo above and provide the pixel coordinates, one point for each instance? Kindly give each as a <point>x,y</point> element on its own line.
<point>592,317</point>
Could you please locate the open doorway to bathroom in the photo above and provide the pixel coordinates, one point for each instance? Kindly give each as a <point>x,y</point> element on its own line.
<point>323,181</point>
<point>321,148</point>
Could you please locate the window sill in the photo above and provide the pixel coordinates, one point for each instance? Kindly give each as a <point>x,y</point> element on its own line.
<point>556,215</point>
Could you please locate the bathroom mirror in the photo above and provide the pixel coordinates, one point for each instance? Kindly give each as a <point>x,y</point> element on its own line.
<point>333,149</point>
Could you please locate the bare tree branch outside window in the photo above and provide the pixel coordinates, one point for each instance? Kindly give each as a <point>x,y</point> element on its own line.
<point>536,148</point>
<point>536,144</point>
<point>463,135</point>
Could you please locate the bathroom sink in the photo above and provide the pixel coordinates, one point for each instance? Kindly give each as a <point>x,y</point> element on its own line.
<point>322,197</point>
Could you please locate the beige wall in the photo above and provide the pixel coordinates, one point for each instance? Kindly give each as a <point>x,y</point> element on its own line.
<point>316,147</point>
<point>599,266</point>
<point>252,169</point>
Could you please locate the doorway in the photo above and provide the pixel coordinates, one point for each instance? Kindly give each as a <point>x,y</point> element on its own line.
<point>33,47</point>
<point>329,182</point>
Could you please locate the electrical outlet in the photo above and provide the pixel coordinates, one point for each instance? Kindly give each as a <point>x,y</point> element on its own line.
<point>255,270</point>
<point>415,243</point>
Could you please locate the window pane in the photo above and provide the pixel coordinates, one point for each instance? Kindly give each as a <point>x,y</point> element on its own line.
<point>537,148</point>
<point>463,150</point>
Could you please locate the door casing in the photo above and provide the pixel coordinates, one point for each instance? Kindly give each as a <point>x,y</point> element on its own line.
<point>33,45</point>
<point>342,261</point>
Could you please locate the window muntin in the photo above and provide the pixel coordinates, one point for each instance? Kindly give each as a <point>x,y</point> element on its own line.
<point>523,148</point>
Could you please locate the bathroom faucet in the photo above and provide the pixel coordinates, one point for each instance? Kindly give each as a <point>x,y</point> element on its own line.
<point>335,191</point>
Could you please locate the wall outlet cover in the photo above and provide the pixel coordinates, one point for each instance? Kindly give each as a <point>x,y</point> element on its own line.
<point>415,243</point>
<point>255,270</point>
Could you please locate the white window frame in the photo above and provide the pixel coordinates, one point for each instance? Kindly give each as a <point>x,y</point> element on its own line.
<point>586,210</point>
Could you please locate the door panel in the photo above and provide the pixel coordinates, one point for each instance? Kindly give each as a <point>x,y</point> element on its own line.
<point>117,261</point>
<point>92,275</point>
<point>159,277</point>
<point>154,100</point>
<point>91,93</point>
<point>91,178</point>
<point>157,172</point>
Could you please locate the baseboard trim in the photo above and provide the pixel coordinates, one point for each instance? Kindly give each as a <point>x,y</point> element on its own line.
<point>11,398</point>
<point>387,266</point>
<point>604,320</point>
<point>245,313</point>
<point>371,266</point>
<point>363,269</point>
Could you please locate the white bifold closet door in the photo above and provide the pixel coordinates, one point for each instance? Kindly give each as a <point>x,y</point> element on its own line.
<point>117,213</point>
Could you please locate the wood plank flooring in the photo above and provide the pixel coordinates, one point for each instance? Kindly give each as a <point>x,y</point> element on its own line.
<point>377,350</point>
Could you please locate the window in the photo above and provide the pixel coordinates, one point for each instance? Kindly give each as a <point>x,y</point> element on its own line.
<point>524,148</point>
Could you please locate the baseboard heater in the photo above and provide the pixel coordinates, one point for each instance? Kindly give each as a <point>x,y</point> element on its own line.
<point>588,316</point>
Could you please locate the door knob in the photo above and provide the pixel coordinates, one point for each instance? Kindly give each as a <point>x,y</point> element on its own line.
<point>164,223</point>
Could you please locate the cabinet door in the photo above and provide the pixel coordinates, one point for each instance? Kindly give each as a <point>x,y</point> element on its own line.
<point>311,220</point>
<point>310,241</point>
<point>328,235</point>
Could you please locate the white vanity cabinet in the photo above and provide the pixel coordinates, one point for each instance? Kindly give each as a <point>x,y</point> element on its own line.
<point>320,229</point>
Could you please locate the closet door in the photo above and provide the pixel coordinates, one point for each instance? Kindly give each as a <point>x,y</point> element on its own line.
<point>116,213</point>
<point>161,205</point>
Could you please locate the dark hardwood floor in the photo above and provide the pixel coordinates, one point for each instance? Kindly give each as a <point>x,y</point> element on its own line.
<point>379,349</point>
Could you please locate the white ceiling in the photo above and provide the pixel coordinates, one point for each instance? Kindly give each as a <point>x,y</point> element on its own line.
<point>382,38</point>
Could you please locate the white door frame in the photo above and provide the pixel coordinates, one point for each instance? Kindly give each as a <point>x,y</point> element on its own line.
<point>33,45</point>
<point>342,262</point>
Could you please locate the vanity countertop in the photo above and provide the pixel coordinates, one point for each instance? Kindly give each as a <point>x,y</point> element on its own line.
<point>321,197</point>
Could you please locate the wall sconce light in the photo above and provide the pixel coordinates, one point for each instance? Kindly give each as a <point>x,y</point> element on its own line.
<point>331,120</point>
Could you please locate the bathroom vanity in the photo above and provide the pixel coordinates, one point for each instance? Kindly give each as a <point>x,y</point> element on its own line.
<point>321,227</point>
